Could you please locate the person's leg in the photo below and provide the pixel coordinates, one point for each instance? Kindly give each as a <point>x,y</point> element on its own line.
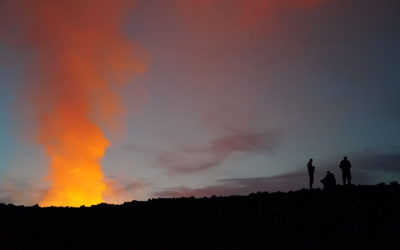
<point>311,181</point>
<point>344,179</point>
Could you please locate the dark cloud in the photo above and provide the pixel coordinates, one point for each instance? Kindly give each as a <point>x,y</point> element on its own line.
<point>388,163</point>
<point>246,141</point>
<point>198,158</point>
<point>235,131</point>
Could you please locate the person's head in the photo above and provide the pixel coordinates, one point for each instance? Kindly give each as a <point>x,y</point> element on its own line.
<point>328,172</point>
<point>311,160</point>
<point>345,158</point>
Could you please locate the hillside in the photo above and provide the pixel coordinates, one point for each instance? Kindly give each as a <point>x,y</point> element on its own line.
<point>357,217</point>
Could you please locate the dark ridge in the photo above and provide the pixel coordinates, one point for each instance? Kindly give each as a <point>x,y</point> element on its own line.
<point>351,217</point>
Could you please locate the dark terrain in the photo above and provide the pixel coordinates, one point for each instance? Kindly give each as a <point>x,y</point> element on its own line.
<point>355,217</point>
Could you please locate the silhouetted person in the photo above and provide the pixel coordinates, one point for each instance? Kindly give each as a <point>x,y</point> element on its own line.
<point>345,165</point>
<point>311,169</point>
<point>329,182</point>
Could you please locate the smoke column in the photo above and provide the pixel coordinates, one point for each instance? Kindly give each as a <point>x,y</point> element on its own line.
<point>80,61</point>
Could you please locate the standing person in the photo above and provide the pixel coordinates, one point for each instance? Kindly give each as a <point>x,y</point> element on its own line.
<point>345,165</point>
<point>311,169</point>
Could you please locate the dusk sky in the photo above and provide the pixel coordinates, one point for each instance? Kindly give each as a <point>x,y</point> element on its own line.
<point>227,96</point>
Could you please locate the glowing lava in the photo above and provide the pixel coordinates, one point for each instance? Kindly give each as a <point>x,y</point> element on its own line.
<point>75,146</point>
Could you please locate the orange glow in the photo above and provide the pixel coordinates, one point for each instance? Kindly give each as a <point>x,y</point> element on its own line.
<point>81,60</point>
<point>75,146</point>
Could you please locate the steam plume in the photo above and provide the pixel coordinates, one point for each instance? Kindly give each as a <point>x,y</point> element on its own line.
<point>81,58</point>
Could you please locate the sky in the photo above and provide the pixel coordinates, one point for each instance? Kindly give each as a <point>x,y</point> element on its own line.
<point>227,96</point>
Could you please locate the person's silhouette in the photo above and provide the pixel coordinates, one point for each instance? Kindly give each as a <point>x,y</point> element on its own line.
<point>329,182</point>
<point>311,169</point>
<point>345,165</point>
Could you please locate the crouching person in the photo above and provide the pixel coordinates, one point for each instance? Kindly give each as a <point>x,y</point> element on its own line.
<point>329,182</point>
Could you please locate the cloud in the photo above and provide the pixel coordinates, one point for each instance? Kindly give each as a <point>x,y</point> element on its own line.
<point>387,162</point>
<point>19,192</point>
<point>121,190</point>
<point>195,158</point>
<point>240,186</point>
